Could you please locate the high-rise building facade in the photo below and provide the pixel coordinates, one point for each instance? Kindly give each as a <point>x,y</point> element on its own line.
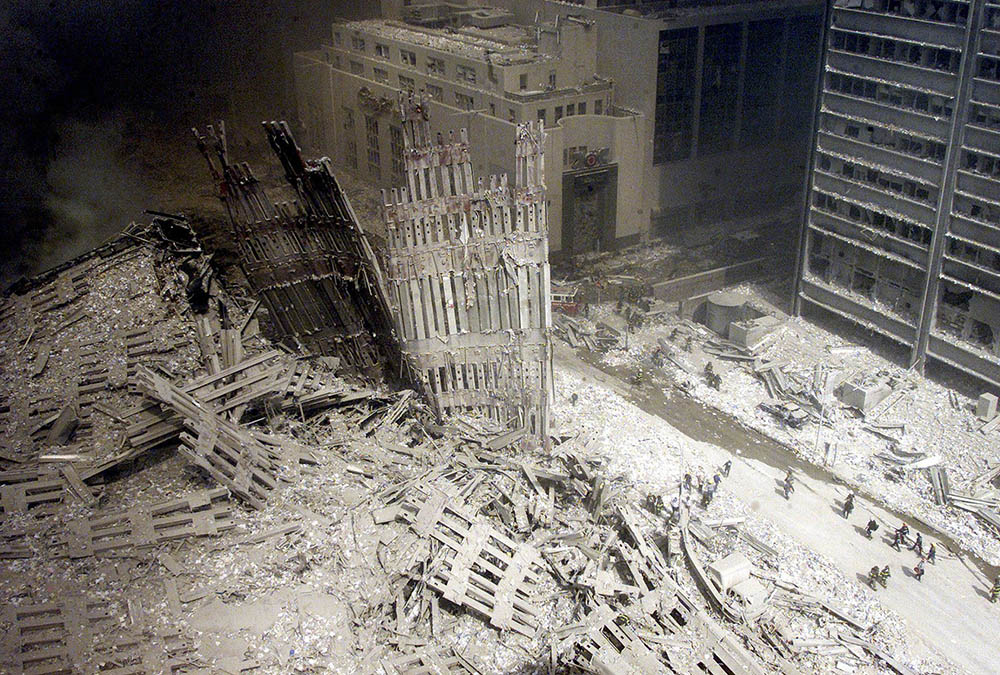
<point>727,87</point>
<point>660,117</point>
<point>902,227</point>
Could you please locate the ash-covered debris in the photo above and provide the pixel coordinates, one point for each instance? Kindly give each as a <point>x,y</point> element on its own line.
<point>180,494</point>
<point>467,275</point>
<point>306,256</point>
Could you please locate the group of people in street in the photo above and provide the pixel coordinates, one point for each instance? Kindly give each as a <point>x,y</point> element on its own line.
<point>876,576</point>
<point>707,488</point>
<point>900,538</point>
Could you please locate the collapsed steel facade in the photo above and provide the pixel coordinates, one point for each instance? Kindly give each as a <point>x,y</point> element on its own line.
<point>468,276</point>
<point>308,260</point>
<point>902,224</point>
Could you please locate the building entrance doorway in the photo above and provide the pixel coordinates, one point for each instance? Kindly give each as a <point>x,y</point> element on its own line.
<point>589,208</point>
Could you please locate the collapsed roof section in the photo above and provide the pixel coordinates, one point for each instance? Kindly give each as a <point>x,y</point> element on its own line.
<point>309,261</point>
<point>467,277</point>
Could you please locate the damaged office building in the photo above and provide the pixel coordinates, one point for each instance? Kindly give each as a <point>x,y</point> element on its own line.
<point>468,275</point>
<point>465,282</point>
<point>661,119</point>
<point>902,230</point>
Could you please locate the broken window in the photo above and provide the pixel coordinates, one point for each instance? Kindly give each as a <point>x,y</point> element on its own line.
<point>985,115</point>
<point>956,299</point>
<point>435,65</point>
<point>558,113</point>
<point>935,10</point>
<point>901,97</point>
<point>358,43</point>
<point>719,87</point>
<point>988,68</point>
<point>434,92</point>
<point>382,51</point>
<point>407,57</point>
<point>863,282</point>
<point>351,147</point>
<point>981,333</point>
<point>374,156</point>
<point>570,109</point>
<point>352,154</point>
<point>381,75</point>
<point>396,150</point>
<point>466,73</point>
<point>357,68</point>
<point>541,115</point>
<point>407,84</point>
<point>464,101</point>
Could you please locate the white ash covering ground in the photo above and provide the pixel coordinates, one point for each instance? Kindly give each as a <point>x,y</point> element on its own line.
<point>648,453</point>
<point>319,599</point>
<point>933,425</point>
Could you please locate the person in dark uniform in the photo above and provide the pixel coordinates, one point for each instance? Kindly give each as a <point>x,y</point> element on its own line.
<point>788,485</point>
<point>873,574</point>
<point>848,505</point>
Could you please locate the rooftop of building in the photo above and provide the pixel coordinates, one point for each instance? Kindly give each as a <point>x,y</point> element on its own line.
<point>680,9</point>
<point>505,44</point>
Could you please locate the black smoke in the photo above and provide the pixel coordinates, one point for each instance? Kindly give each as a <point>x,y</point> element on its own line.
<point>83,83</point>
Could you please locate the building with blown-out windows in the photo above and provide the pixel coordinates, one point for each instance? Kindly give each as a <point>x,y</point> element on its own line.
<point>902,228</point>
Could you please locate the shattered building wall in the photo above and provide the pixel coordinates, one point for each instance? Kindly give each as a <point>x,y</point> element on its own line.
<point>468,276</point>
<point>308,260</point>
<point>902,230</point>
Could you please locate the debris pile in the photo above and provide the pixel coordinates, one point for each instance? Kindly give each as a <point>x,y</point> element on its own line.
<point>581,332</point>
<point>223,504</point>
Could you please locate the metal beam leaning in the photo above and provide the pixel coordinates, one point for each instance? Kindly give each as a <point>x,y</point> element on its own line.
<point>225,450</point>
<point>473,554</point>
<point>308,260</point>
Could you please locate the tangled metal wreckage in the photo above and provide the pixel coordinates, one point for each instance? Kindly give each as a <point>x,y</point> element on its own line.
<point>467,282</point>
<point>164,461</point>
